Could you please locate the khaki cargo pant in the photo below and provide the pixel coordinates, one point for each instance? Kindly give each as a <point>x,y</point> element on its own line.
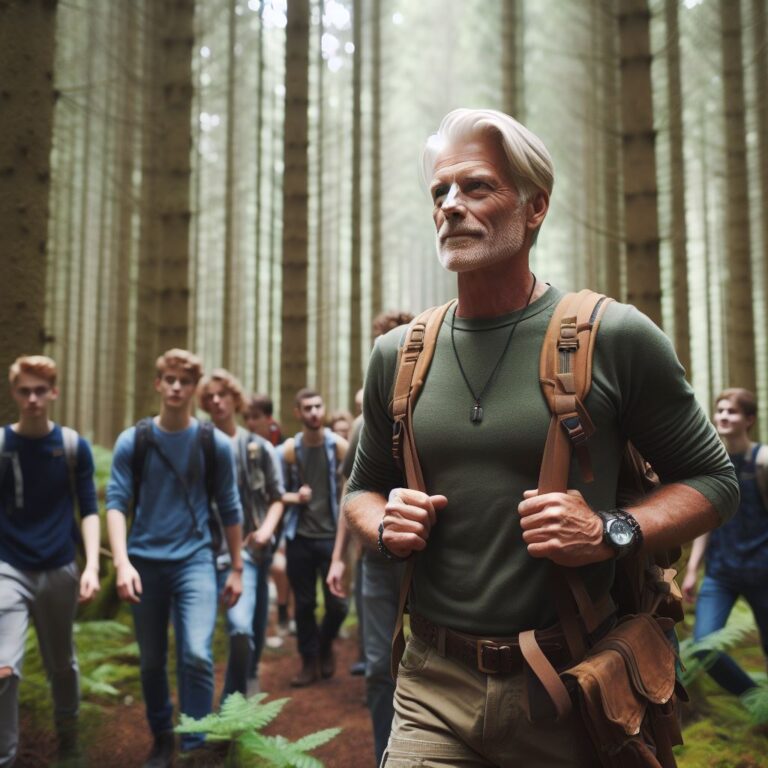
<point>450,716</point>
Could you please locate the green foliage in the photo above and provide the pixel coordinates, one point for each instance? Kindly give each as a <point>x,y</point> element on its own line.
<point>239,722</point>
<point>739,627</point>
<point>755,701</point>
<point>102,460</point>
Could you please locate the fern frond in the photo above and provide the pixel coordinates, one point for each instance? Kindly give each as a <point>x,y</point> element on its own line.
<point>238,716</point>
<point>755,701</point>
<point>314,740</point>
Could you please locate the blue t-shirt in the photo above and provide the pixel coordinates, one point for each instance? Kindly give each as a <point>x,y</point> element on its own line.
<point>43,533</point>
<point>163,525</point>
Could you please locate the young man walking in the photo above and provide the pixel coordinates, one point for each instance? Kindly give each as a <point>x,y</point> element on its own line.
<point>45,470</point>
<point>483,539</point>
<point>311,461</point>
<point>165,568</point>
<point>736,554</point>
<point>260,484</point>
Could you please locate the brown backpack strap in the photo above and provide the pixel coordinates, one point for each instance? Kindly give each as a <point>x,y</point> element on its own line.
<point>412,367</point>
<point>565,374</point>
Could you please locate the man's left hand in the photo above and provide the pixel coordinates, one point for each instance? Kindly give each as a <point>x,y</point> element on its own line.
<point>563,528</point>
<point>233,588</point>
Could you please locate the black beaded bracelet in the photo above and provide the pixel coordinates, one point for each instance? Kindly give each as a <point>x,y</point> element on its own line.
<point>382,547</point>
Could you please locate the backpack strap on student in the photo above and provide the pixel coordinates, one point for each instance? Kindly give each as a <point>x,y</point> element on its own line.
<point>12,458</point>
<point>70,439</point>
<point>413,363</point>
<point>208,444</point>
<point>141,440</point>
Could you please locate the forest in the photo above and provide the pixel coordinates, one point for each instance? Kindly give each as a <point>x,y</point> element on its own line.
<point>239,178</point>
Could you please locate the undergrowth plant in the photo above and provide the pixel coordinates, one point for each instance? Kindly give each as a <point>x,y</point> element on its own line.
<point>240,722</point>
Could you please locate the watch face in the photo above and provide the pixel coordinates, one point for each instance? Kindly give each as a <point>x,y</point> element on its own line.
<point>620,532</point>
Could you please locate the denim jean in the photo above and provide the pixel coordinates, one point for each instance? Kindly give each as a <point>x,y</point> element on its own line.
<point>240,630</point>
<point>186,592</point>
<point>307,560</point>
<point>713,606</point>
<point>381,596</point>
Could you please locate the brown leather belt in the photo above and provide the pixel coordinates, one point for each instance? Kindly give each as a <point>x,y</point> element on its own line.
<point>492,656</point>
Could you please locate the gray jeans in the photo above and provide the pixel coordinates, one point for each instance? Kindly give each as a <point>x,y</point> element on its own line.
<point>50,598</point>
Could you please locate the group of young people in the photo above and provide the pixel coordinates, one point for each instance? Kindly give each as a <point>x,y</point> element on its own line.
<point>194,510</point>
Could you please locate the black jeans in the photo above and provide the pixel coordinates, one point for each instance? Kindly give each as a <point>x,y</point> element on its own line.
<point>308,559</point>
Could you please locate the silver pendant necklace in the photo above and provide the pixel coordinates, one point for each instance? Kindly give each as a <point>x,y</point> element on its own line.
<point>476,413</point>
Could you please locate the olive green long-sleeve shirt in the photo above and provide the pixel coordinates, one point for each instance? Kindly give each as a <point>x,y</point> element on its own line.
<point>475,574</point>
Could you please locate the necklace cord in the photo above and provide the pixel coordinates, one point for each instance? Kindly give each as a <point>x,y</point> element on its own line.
<point>478,398</point>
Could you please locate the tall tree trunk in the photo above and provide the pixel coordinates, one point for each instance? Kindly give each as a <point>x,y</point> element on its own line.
<point>639,159</point>
<point>163,306</point>
<point>760,34</point>
<point>740,341</point>
<point>512,58</point>
<point>293,355</point>
<point>611,123</point>
<point>27,40</point>
<point>677,188</point>
<point>231,272</point>
<point>259,338</point>
<point>355,313</point>
<point>377,274</point>
<point>323,304</point>
<point>122,231</point>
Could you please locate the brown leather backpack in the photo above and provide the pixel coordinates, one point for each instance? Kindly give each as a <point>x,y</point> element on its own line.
<point>624,684</point>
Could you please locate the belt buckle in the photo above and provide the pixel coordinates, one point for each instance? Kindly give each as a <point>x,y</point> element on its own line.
<point>481,646</point>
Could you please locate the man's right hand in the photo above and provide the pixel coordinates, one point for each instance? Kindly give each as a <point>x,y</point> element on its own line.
<point>408,519</point>
<point>305,494</point>
<point>128,582</point>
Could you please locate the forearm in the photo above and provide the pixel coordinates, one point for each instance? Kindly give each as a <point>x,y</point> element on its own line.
<point>342,539</point>
<point>272,518</point>
<point>697,553</point>
<point>364,511</point>
<point>674,515</point>
<point>291,497</point>
<point>234,536</point>
<point>117,532</point>
<point>91,529</point>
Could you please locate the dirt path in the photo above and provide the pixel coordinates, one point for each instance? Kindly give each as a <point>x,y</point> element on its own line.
<point>122,738</point>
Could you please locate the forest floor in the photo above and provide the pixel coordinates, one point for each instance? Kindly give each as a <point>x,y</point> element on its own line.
<point>117,736</point>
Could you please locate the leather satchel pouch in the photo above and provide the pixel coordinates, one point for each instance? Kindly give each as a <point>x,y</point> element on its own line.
<point>625,689</point>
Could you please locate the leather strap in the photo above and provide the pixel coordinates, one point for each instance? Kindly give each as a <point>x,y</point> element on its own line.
<point>546,673</point>
<point>413,365</point>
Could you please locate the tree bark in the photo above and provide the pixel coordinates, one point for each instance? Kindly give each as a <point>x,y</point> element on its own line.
<point>293,357</point>
<point>355,311</point>
<point>678,235</point>
<point>163,307</point>
<point>27,44</point>
<point>512,59</point>
<point>740,341</point>
<point>639,159</point>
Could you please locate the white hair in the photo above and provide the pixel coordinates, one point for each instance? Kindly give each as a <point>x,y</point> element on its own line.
<point>529,160</point>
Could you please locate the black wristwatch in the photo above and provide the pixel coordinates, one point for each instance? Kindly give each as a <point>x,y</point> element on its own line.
<point>621,532</point>
<point>383,549</point>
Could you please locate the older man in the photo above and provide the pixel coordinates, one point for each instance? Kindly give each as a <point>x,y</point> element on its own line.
<point>485,540</point>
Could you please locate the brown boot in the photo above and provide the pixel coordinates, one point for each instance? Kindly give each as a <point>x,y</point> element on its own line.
<point>307,675</point>
<point>327,664</point>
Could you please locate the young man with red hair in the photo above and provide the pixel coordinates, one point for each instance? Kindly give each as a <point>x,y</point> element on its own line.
<point>45,470</point>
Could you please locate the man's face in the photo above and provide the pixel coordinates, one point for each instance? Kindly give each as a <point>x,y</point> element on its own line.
<point>219,402</point>
<point>258,422</point>
<point>176,388</point>
<point>33,394</point>
<point>477,211</point>
<point>311,412</point>
<point>730,420</point>
<point>341,427</point>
